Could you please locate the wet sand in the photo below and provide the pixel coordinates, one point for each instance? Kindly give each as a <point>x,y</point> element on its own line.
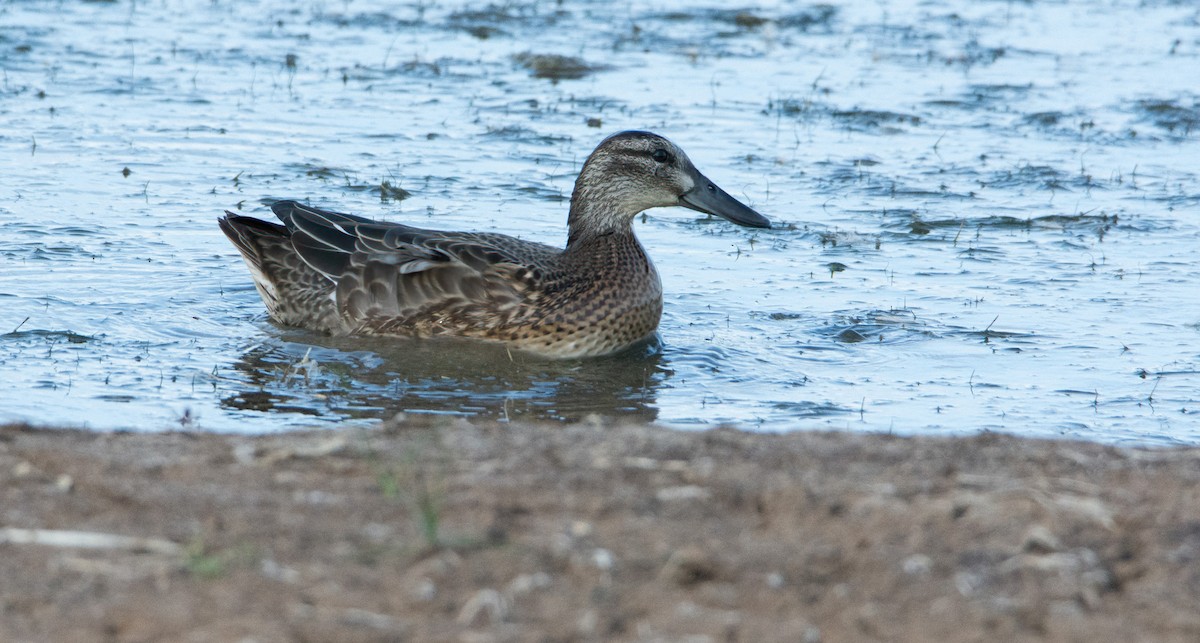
<point>428,529</point>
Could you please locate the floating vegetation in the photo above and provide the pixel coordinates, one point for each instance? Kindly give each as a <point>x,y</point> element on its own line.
<point>883,326</point>
<point>264,401</point>
<point>871,119</point>
<point>973,54</point>
<point>855,119</point>
<point>985,95</point>
<point>1044,119</point>
<point>850,336</point>
<point>367,20</point>
<point>806,409</point>
<point>52,336</point>
<point>495,20</point>
<point>790,107</point>
<point>319,172</point>
<point>745,19</point>
<point>554,66</point>
<point>523,135</point>
<point>386,190</point>
<point>818,15</point>
<point>1039,176</point>
<point>416,67</point>
<point>389,192</point>
<point>1099,224</point>
<point>1169,115</point>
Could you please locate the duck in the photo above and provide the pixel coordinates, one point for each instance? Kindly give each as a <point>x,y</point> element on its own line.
<point>344,274</point>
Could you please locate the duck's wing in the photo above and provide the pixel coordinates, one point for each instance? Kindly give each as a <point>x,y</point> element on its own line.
<point>400,279</point>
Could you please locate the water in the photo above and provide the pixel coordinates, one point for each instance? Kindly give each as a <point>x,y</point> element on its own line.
<point>986,212</point>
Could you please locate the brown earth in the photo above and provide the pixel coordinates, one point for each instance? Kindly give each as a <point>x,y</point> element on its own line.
<point>428,530</point>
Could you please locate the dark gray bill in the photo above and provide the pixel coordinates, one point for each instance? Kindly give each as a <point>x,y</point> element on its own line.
<point>707,197</point>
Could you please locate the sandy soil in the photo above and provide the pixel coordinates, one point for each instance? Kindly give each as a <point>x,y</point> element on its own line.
<point>449,531</point>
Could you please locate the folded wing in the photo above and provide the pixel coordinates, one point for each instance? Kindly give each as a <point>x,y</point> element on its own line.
<point>393,278</point>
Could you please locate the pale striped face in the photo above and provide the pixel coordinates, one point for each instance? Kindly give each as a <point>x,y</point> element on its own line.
<point>633,171</point>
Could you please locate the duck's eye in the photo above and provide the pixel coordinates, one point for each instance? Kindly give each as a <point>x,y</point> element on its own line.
<point>661,156</point>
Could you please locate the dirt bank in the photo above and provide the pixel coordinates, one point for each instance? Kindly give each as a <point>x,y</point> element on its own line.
<point>434,530</point>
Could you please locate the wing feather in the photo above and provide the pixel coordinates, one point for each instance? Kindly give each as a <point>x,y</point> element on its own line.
<point>393,278</point>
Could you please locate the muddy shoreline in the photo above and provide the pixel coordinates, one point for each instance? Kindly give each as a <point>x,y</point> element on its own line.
<point>447,530</point>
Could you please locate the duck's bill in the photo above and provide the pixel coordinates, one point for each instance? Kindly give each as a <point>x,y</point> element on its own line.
<point>707,197</point>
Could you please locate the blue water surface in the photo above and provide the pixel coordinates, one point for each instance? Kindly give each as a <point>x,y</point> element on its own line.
<point>986,212</point>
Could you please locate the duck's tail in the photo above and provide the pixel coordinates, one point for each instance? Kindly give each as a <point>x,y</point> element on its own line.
<point>295,293</point>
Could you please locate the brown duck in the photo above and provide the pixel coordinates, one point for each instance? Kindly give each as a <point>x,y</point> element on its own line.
<point>344,274</point>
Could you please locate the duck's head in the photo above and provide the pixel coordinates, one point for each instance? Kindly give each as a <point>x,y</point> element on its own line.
<point>633,171</point>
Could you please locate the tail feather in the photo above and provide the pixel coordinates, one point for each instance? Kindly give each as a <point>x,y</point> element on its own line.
<point>294,292</point>
<point>287,209</point>
<point>246,234</point>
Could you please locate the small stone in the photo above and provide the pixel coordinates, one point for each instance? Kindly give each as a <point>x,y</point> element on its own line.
<point>688,610</point>
<point>64,483</point>
<point>1040,540</point>
<point>775,580</point>
<point>245,453</point>
<point>322,448</point>
<point>689,565</point>
<point>526,583</point>
<point>966,582</point>
<point>700,469</point>
<point>603,559</point>
<point>274,571</point>
<point>377,532</point>
<point>561,544</point>
<point>676,466</point>
<point>641,462</point>
<point>425,590</point>
<point>917,565</point>
<point>588,622</point>
<point>487,606</point>
<point>683,492</point>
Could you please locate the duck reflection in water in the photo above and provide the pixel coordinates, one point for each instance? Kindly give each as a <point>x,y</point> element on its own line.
<point>370,377</point>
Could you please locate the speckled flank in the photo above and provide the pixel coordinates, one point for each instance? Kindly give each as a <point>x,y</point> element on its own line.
<point>343,274</point>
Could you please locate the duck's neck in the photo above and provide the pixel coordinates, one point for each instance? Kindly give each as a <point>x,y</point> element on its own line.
<point>611,255</point>
<point>596,213</point>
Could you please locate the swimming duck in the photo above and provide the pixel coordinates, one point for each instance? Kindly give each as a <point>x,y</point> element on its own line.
<point>344,274</point>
